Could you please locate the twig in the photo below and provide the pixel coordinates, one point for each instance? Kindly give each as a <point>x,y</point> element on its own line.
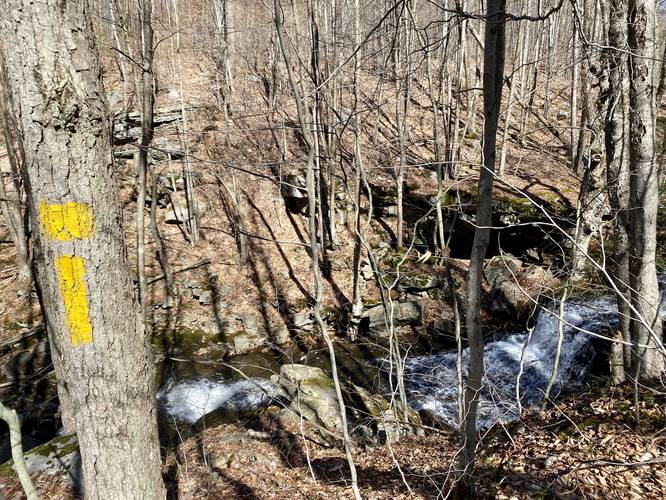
<point>21,337</point>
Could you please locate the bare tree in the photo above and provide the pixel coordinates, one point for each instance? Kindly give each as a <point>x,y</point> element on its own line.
<point>493,80</point>
<point>312,229</point>
<point>103,364</point>
<point>644,188</point>
<point>616,131</point>
<point>147,105</point>
<point>11,201</point>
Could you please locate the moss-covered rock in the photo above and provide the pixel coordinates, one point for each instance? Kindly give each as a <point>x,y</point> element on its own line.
<point>312,394</point>
<point>60,457</point>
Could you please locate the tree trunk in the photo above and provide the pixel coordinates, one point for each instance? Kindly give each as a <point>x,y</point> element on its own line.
<point>644,189</point>
<point>616,131</point>
<point>103,363</point>
<point>574,97</point>
<point>493,79</point>
<point>147,104</point>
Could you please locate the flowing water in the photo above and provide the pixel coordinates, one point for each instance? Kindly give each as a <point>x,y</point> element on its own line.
<point>430,380</point>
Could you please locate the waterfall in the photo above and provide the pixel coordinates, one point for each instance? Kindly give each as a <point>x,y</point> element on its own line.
<point>431,380</point>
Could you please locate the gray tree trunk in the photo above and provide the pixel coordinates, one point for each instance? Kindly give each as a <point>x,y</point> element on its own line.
<point>493,79</point>
<point>102,360</point>
<point>147,104</point>
<point>616,132</point>
<point>644,188</point>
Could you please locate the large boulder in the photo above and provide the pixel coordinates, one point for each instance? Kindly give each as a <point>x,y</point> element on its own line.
<point>312,395</point>
<point>242,334</point>
<point>404,314</point>
<point>502,268</point>
<point>514,287</point>
<point>59,457</point>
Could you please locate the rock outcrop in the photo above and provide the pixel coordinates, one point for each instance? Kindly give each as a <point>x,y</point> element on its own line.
<point>312,395</point>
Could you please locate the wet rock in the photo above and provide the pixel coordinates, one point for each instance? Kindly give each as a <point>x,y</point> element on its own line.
<point>312,394</point>
<point>502,268</point>
<point>513,286</point>
<point>239,335</point>
<point>508,298</point>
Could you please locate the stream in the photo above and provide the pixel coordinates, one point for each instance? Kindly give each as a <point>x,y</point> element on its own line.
<point>431,379</point>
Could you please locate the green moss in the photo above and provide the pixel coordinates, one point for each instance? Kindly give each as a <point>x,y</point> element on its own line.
<point>573,429</point>
<point>299,305</point>
<point>322,382</point>
<point>230,336</point>
<point>187,339</point>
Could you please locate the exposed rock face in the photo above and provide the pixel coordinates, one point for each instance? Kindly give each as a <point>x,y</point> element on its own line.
<point>241,334</point>
<point>404,313</point>
<point>312,394</point>
<point>506,296</point>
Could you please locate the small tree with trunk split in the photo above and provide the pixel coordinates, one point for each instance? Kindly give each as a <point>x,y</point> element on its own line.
<point>101,357</point>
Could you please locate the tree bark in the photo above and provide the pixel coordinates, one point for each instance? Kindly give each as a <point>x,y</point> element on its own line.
<point>147,104</point>
<point>493,79</point>
<point>644,189</point>
<point>102,361</point>
<point>616,132</point>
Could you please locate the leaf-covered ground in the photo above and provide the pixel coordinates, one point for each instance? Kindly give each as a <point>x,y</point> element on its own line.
<point>587,445</point>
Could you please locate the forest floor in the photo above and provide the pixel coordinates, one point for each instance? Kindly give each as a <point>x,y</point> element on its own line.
<point>587,445</point>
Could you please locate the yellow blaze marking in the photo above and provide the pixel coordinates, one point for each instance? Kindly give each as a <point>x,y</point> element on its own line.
<point>66,222</point>
<point>71,273</point>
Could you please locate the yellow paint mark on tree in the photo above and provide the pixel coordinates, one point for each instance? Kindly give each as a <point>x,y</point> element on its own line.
<point>71,280</point>
<point>66,222</point>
